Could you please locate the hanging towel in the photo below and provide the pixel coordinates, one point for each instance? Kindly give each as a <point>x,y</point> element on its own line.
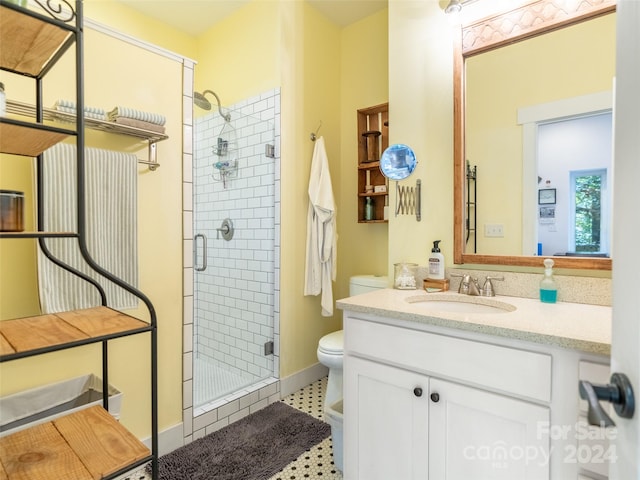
<point>322,236</point>
<point>111,220</point>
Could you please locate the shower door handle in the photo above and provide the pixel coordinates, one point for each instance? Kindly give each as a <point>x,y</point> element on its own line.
<point>204,252</point>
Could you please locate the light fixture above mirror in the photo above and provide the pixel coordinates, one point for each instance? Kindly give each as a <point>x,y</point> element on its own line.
<point>455,6</point>
<point>531,20</point>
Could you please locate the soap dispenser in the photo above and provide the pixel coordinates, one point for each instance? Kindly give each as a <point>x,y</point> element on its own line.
<point>436,262</point>
<point>548,288</point>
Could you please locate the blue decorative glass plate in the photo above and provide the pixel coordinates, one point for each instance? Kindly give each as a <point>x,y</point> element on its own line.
<point>397,162</point>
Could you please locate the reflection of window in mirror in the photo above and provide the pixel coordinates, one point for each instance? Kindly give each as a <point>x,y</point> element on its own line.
<point>589,212</point>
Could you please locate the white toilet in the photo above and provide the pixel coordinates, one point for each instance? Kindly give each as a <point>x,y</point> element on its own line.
<point>330,352</point>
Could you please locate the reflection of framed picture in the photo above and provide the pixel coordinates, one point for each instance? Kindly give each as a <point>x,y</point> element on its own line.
<point>547,196</point>
<point>547,215</point>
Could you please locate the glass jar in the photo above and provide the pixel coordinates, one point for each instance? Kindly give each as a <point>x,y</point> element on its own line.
<point>405,276</point>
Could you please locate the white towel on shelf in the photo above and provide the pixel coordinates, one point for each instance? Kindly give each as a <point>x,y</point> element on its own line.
<point>67,106</point>
<point>136,115</point>
<point>111,225</point>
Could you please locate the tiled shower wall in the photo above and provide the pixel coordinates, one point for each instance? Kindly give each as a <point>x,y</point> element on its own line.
<point>234,296</point>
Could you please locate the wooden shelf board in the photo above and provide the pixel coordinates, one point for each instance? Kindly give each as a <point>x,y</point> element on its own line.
<point>85,445</point>
<point>369,165</point>
<point>5,349</point>
<point>373,194</point>
<point>28,43</point>
<point>52,330</point>
<point>373,221</point>
<point>22,140</point>
<point>40,452</point>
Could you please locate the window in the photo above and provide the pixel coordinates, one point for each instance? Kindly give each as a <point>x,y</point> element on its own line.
<point>589,211</point>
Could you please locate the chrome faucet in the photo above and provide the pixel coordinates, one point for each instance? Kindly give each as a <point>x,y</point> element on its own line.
<point>469,286</point>
<point>487,288</point>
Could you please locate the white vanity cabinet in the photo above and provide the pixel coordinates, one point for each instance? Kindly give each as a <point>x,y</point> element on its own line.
<point>426,402</point>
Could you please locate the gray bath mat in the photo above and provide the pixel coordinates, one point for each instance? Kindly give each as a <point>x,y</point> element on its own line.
<point>253,448</point>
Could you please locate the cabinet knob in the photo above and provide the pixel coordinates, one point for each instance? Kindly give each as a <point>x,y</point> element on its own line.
<point>435,397</point>
<point>417,392</point>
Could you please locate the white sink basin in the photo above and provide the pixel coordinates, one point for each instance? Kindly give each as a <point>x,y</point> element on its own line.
<point>461,304</point>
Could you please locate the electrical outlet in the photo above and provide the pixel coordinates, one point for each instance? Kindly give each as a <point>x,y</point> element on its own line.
<point>493,230</point>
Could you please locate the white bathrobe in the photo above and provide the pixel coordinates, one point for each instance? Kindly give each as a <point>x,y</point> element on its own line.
<point>320,265</point>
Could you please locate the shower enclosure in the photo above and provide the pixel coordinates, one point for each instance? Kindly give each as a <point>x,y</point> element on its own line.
<point>234,221</point>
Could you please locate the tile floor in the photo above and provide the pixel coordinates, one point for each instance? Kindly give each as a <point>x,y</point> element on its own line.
<point>315,463</point>
<point>318,462</point>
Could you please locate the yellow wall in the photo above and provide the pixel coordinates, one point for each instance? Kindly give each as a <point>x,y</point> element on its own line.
<point>238,57</point>
<point>421,116</point>
<point>137,25</point>
<point>310,80</point>
<point>119,74</point>
<point>364,82</point>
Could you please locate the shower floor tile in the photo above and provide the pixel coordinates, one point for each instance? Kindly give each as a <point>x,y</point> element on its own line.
<point>214,381</point>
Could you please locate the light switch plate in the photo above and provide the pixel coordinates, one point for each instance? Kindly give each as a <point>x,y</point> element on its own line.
<point>493,230</point>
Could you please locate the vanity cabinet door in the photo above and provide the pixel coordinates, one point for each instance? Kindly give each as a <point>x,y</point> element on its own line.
<point>480,435</point>
<point>386,413</point>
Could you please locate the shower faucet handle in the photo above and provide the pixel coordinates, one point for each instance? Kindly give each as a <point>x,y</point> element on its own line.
<point>226,228</point>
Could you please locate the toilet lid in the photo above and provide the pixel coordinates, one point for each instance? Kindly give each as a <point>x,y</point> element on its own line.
<point>332,342</point>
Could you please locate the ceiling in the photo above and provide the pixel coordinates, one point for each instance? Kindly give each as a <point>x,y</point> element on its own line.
<point>194,17</point>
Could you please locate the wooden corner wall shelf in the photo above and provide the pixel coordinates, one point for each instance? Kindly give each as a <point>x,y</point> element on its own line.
<point>372,119</point>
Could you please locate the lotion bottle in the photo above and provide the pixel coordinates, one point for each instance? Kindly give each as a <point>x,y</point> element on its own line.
<point>548,288</point>
<point>436,262</point>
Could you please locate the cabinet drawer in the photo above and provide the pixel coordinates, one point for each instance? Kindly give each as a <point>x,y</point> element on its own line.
<point>501,368</point>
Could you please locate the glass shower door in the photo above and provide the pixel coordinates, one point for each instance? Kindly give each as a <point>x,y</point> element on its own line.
<point>234,233</point>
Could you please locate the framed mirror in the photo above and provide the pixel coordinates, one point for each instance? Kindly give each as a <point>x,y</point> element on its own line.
<point>498,178</point>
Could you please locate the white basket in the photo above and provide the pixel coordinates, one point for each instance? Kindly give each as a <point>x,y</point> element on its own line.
<point>39,405</point>
<point>334,416</point>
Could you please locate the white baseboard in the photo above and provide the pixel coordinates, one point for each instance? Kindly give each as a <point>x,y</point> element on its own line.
<point>168,440</point>
<point>301,379</point>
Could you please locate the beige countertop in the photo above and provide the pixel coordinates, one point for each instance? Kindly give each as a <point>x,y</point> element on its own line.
<point>569,325</point>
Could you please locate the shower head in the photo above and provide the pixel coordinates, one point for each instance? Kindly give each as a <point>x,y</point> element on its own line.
<point>201,101</point>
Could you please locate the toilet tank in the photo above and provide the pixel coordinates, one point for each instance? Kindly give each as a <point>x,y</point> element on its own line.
<point>366,283</point>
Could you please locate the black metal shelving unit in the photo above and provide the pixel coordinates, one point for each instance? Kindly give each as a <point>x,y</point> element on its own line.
<point>61,25</point>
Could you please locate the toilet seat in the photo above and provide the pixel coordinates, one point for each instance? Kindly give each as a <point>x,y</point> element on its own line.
<point>332,343</point>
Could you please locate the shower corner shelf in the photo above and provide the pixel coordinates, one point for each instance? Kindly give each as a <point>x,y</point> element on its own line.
<point>372,119</point>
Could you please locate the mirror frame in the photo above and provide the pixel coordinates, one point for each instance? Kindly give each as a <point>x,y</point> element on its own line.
<point>528,21</point>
